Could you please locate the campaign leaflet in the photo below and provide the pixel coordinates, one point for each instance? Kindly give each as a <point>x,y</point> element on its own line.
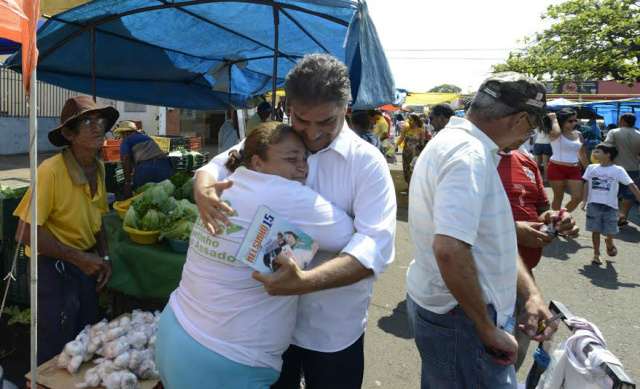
<point>270,235</point>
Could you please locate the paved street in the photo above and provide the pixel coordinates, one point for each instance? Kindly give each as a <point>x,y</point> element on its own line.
<point>607,295</point>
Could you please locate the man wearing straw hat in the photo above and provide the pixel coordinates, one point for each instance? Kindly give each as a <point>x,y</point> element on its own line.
<point>73,257</point>
<point>142,159</point>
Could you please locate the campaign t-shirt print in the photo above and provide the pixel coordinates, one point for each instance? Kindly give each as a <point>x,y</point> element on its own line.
<point>601,183</point>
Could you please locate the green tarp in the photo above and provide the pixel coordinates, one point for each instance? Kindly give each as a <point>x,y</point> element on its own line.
<point>143,271</point>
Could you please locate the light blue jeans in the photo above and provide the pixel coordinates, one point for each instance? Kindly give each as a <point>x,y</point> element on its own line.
<point>452,355</point>
<point>184,363</point>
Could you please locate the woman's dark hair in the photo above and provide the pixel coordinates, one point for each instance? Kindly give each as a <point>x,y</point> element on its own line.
<point>564,114</point>
<point>608,148</point>
<point>416,120</point>
<point>258,142</point>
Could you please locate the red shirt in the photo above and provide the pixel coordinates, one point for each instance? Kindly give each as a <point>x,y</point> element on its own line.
<point>523,183</point>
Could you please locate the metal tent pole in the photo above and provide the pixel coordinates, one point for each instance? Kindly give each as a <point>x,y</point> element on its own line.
<point>93,63</point>
<point>33,156</point>
<point>276,22</point>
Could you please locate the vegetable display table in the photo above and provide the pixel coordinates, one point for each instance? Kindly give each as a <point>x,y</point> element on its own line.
<point>144,271</point>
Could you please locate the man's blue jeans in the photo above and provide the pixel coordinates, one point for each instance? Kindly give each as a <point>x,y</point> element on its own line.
<point>452,355</point>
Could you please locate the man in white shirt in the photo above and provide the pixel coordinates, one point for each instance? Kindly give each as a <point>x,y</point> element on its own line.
<point>462,282</point>
<point>335,290</point>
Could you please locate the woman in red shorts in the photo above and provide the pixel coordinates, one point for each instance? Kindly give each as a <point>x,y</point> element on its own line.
<point>568,152</point>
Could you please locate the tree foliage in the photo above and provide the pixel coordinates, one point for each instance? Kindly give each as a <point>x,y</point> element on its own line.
<point>445,88</point>
<point>589,39</point>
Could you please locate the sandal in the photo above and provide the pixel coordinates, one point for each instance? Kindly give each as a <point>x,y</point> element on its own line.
<point>612,251</point>
<point>622,222</point>
<point>596,260</point>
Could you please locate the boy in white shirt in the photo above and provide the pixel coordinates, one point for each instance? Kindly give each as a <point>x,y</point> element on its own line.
<point>601,191</point>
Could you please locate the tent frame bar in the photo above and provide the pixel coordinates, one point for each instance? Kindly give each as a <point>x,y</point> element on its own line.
<point>186,4</point>
<point>276,22</point>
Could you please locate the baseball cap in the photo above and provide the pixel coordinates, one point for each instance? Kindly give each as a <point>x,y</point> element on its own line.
<point>264,106</point>
<point>517,91</point>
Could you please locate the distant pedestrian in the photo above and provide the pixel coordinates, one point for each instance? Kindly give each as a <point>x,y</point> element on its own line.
<point>363,127</point>
<point>627,139</point>
<point>569,151</point>
<point>601,186</point>
<point>439,116</point>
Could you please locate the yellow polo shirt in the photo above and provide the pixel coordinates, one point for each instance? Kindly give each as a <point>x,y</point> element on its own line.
<point>382,127</point>
<point>66,208</point>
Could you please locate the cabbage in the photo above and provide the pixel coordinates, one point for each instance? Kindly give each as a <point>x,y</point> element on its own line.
<point>151,221</point>
<point>145,187</point>
<point>168,187</point>
<point>156,198</point>
<point>180,230</point>
<point>131,219</point>
<point>185,210</point>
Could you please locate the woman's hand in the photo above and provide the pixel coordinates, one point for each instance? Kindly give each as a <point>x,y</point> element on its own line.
<point>207,194</point>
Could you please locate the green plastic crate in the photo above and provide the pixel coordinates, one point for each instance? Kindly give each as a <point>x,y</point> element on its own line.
<point>19,288</point>
<point>8,223</point>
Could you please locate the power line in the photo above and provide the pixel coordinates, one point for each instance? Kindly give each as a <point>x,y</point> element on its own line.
<point>449,59</point>
<point>473,49</point>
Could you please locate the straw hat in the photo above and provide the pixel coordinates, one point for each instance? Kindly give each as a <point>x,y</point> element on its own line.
<point>125,126</point>
<point>74,108</point>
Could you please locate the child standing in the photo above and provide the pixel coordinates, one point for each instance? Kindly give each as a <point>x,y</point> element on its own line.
<point>601,191</point>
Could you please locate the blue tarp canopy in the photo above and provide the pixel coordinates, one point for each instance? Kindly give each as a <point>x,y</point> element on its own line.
<point>611,110</point>
<point>191,53</point>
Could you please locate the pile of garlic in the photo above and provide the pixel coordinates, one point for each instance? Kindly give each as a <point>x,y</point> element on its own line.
<point>126,347</point>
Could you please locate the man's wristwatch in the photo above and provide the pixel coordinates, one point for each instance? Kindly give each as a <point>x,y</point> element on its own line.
<point>106,258</point>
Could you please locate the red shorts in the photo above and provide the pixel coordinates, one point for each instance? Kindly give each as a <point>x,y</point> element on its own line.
<point>557,172</point>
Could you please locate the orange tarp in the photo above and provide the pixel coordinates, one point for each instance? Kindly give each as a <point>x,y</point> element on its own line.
<point>18,22</point>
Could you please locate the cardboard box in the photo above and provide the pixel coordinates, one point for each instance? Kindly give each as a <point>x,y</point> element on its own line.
<point>52,377</point>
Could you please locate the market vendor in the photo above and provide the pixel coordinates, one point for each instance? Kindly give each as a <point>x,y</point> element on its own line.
<point>73,257</point>
<point>142,158</point>
<point>262,115</point>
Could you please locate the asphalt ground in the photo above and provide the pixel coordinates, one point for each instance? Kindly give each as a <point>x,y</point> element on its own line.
<point>607,295</point>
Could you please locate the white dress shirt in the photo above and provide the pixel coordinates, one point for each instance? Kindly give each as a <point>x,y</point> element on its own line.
<point>354,176</point>
<point>456,191</point>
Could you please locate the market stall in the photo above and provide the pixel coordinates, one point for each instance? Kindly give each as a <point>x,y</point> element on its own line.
<point>144,271</point>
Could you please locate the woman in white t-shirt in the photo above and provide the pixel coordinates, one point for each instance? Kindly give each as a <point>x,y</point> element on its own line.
<point>221,329</point>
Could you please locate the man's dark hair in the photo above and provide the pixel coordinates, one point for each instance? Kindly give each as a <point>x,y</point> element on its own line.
<point>318,79</point>
<point>374,112</point>
<point>628,118</point>
<point>611,126</point>
<point>443,109</point>
<point>362,121</point>
<point>608,148</point>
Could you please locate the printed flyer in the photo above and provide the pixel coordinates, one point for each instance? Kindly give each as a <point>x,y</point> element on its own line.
<point>270,235</point>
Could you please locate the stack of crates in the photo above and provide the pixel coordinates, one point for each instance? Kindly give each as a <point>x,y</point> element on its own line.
<point>19,287</point>
<point>111,150</point>
<point>195,143</point>
<point>199,160</point>
<point>170,143</point>
<point>179,164</point>
<point>8,223</point>
<point>114,178</point>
